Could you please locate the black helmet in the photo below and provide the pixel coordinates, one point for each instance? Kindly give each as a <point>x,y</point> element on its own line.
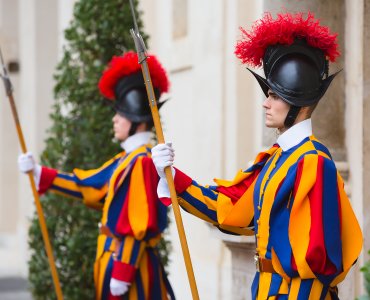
<point>297,73</point>
<point>132,100</point>
<point>123,83</point>
<point>294,52</point>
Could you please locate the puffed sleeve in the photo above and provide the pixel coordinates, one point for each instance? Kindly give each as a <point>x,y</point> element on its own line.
<point>88,185</point>
<point>325,236</point>
<point>228,204</point>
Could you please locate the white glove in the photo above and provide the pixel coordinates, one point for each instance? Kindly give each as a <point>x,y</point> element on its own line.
<point>163,156</point>
<point>118,287</point>
<point>26,163</point>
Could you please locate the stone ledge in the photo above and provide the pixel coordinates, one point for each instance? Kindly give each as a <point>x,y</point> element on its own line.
<point>229,237</point>
<point>8,284</point>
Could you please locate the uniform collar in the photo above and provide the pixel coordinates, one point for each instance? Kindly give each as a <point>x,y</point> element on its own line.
<point>295,134</point>
<point>135,141</point>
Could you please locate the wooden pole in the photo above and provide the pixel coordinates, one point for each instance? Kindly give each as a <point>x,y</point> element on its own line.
<point>171,184</point>
<point>140,47</point>
<point>39,210</point>
<point>141,53</point>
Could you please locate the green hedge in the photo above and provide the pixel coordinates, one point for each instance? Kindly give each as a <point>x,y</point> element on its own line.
<point>366,270</point>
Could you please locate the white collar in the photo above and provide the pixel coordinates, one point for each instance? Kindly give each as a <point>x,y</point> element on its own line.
<point>295,134</point>
<point>135,141</point>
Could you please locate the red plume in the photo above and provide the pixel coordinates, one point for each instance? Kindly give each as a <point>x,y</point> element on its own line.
<point>121,66</point>
<point>283,30</point>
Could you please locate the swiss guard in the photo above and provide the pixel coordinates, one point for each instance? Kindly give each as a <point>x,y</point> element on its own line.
<point>292,198</point>
<point>127,264</point>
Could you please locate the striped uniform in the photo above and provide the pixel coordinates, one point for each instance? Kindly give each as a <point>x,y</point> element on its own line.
<point>125,190</point>
<point>294,202</point>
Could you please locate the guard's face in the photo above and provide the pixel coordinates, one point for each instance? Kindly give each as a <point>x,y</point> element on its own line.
<point>276,111</point>
<point>121,127</point>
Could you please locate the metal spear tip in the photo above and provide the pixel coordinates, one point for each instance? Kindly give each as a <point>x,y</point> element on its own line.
<point>139,45</point>
<point>2,62</point>
<point>135,38</point>
<point>5,77</point>
<point>1,56</point>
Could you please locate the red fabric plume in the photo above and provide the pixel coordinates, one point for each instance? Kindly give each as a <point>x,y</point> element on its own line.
<point>121,66</point>
<point>283,30</point>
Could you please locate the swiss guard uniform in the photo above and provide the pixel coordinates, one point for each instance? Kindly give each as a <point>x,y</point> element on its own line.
<point>132,217</point>
<point>292,198</point>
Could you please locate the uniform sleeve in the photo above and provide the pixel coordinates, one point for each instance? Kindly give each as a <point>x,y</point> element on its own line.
<point>227,205</point>
<point>324,233</point>
<point>87,185</point>
<point>142,219</point>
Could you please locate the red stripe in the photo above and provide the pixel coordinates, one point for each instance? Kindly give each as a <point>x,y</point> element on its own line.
<point>151,181</point>
<point>182,181</point>
<point>46,180</point>
<point>294,264</point>
<point>150,274</point>
<point>316,253</point>
<point>118,179</point>
<point>166,201</point>
<point>236,191</point>
<point>122,271</point>
<point>123,225</point>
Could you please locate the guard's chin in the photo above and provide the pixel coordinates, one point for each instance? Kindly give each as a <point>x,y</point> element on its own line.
<point>268,124</point>
<point>117,137</point>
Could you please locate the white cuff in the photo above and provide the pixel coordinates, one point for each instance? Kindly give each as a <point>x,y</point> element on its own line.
<point>118,287</point>
<point>162,189</point>
<point>37,175</point>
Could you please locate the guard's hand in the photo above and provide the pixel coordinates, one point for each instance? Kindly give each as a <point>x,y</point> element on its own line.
<point>163,156</point>
<point>26,163</point>
<point>118,287</point>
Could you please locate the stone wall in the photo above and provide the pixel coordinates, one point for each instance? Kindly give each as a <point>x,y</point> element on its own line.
<point>366,124</point>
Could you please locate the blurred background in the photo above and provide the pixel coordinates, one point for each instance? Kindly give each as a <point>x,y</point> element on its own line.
<point>213,118</point>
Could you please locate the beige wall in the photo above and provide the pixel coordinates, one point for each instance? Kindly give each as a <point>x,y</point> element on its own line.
<point>9,204</point>
<point>9,46</point>
<point>366,125</point>
<point>29,35</point>
<point>353,114</point>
